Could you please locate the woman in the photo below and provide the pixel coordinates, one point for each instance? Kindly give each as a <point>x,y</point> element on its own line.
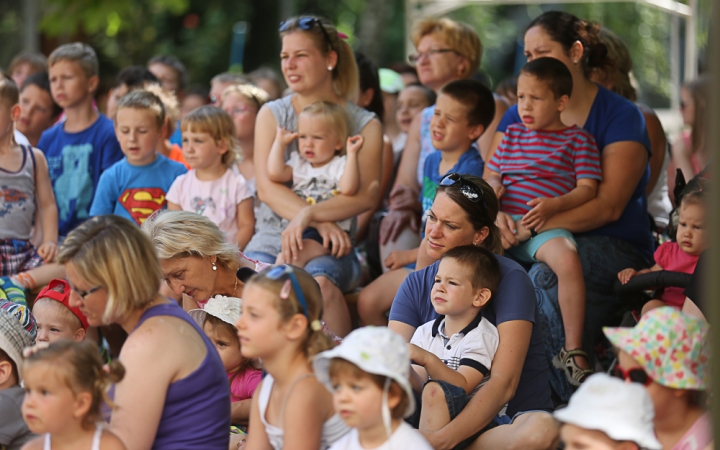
<point>196,261</point>
<point>464,213</point>
<point>614,226</point>
<point>317,65</point>
<point>668,352</point>
<point>115,278</point>
<point>446,51</point>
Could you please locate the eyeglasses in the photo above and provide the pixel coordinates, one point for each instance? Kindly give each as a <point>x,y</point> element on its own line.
<point>636,375</point>
<point>278,272</point>
<point>415,57</point>
<point>305,23</point>
<point>241,110</point>
<point>84,294</point>
<point>470,190</point>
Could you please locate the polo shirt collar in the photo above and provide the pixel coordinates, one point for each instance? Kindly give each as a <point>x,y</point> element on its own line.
<point>471,326</point>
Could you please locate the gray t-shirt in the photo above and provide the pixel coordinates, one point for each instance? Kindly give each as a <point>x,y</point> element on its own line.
<point>13,431</point>
<point>268,225</point>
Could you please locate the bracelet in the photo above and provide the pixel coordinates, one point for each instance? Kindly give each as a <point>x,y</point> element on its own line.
<point>533,233</point>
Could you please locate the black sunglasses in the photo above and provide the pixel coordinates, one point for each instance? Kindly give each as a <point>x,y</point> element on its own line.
<point>306,23</point>
<point>470,190</point>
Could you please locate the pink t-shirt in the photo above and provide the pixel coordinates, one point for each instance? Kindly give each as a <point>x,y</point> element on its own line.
<point>698,437</point>
<point>243,386</point>
<point>217,199</point>
<point>671,257</point>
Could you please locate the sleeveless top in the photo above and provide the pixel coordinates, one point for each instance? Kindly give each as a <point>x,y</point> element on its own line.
<point>333,429</point>
<point>17,189</point>
<point>196,413</point>
<point>95,441</point>
<point>268,225</point>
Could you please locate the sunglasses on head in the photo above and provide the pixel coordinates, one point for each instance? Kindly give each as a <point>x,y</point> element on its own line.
<point>636,375</point>
<point>277,273</point>
<point>470,190</point>
<point>306,24</point>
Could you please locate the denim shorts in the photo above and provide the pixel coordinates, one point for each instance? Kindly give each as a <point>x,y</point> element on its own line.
<point>342,272</point>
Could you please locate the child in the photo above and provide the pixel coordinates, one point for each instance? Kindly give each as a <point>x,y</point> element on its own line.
<point>540,168</point>
<point>411,101</point>
<point>55,318</point>
<point>17,329</point>
<point>136,187</point>
<point>280,324</point>
<point>681,255</point>
<point>82,147</point>
<point>25,64</point>
<point>172,114</point>
<point>38,110</point>
<point>133,77</point>
<point>453,354</point>
<point>26,194</point>
<point>607,413</point>
<point>65,385</point>
<point>217,320</point>
<point>368,377</point>
<point>323,167</point>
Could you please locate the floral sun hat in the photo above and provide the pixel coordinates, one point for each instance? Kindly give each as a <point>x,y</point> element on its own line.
<point>224,308</point>
<point>671,346</point>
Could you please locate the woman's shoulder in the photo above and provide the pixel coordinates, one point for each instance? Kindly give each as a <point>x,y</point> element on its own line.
<point>359,117</point>
<point>282,110</point>
<point>109,441</point>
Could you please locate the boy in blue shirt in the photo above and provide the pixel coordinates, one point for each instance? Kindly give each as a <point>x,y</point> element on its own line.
<point>80,148</point>
<point>135,187</point>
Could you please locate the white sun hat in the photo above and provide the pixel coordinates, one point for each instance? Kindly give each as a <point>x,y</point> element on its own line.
<point>623,411</point>
<point>224,308</point>
<point>375,350</point>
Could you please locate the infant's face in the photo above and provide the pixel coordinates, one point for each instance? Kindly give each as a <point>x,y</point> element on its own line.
<point>53,321</point>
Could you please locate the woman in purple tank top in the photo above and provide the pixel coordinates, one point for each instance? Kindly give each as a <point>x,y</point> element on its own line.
<point>175,394</point>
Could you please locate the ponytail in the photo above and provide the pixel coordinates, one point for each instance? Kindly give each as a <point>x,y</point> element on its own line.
<point>346,80</point>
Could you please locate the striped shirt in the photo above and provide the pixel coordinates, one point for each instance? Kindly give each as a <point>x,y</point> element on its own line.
<point>541,163</point>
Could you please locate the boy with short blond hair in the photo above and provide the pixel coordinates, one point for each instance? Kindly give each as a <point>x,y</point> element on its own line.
<point>54,316</point>
<point>83,146</point>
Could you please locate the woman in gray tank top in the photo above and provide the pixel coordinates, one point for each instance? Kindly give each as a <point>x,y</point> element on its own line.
<point>317,65</point>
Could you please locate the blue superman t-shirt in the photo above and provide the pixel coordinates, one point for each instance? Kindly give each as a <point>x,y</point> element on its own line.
<point>75,162</point>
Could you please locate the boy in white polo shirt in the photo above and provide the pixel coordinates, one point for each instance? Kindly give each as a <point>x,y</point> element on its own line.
<point>452,355</point>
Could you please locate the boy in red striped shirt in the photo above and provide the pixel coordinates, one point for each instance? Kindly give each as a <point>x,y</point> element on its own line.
<point>540,168</point>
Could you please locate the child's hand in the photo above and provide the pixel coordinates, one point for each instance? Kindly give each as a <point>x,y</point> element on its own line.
<point>625,275</point>
<point>418,355</point>
<point>354,144</point>
<point>48,251</point>
<point>543,209</point>
<point>400,258</point>
<point>285,137</point>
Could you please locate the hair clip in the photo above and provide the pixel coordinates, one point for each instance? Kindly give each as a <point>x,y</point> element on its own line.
<point>316,325</point>
<point>285,291</point>
<point>342,35</point>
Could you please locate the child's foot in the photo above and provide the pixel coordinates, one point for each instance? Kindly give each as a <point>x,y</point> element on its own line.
<point>12,291</point>
<point>567,361</point>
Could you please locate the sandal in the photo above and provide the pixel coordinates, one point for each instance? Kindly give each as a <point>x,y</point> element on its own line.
<point>565,361</point>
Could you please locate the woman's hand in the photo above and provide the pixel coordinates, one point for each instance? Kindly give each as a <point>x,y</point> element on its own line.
<point>291,238</point>
<point>400,258</point>
<point>543,209</point>
<point>334,238</point>
<point>508,230</point>
<point>48,251</point>
<point>404,197</point>
<point>395,221</point>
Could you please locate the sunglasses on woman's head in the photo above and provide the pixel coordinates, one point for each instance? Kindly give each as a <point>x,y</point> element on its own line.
<point>636,375</point>
<point>306,24</point>
<point>280,271</point>
<point>470,190</point>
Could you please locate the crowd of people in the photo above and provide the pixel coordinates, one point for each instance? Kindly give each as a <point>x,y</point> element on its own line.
<point>349,257</point>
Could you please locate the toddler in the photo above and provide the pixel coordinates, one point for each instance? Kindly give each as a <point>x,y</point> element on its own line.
<point>217,320</point>
<point>65,385</point>
<point>368,377</point>
<point>55,318</point>
<point>681,255</point>
<point>325,165</point>
<point>17,331</point>
<point>135,187</point>
<point>540,168</point>
<point>453,354</point>
<point>211,188</point>
<point>280,325</point>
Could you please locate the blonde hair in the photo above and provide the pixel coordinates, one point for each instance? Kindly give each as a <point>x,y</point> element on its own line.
<point>219,125</point>
<point>9,93</point>
<point>169,101</point>
<point>112,252</point>
<point>143,100</point>
<point>316,340</point>
<point>334,115</point>
<point>61,310</point>
<point>77,52</point>
<point>249,91</point>
<point>346,81</point>
<point>82,368</point>
<point>180,234</point>
<point>458,36</point>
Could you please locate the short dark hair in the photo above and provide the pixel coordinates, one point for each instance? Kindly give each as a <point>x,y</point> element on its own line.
<point>9,93</point>
<point>483,265</point>
<point>553,72</point>
<point>430,95</point>
<point>42,81</point>
<point>134,77</point>
<point>175,64</point>
<point>141,99</point>
<point>475,96</point>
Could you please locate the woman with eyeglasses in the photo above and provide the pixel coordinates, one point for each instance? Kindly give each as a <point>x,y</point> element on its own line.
<point>446,51</point>
<point>175,391</point>
<point>613,229</point>
<point>668,353</point>
<point>463,213</point>
<point>317,65</point>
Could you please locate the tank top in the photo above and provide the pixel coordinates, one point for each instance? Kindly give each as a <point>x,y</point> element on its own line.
<point>17,189</point>
<point>333,429</point>
<point>268,225</point>
<point>95,441</point>
<point>196,413</point>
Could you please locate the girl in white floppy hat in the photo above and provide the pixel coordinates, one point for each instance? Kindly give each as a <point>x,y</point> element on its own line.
<point>368,375</point>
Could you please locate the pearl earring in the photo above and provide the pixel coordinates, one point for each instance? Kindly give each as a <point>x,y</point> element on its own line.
<point>575,61</point>
<point>330,68</point>
<point>214,266</point>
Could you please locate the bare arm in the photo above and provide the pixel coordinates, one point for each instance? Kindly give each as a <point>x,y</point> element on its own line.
<point>47,208</point>
<point>245,222</point>
<point>465,377</point>
<point>681,156</point>
<point>173,206</point>
<point>278,171</point>
<point>494,179</point>
<point>496,139</point>
<point>240,411</point>
<point>365,218</point>
<point>407,169</point>
<point>257,438</point>
<point>403,329</point>
<point>350,179</point>
<point>658,145</point>
<point>486,142</point>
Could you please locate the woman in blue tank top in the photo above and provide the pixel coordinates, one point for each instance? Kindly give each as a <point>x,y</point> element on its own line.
<point>175,393</point>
